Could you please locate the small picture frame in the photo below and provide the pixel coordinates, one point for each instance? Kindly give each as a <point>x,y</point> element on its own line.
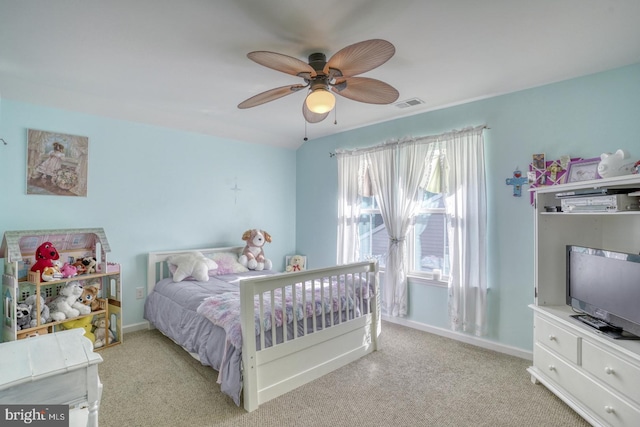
<point>583,170</point>
<point>538,161</point>
<point>300,263</point>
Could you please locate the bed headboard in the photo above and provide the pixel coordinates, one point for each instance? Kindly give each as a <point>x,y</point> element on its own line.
<point>157,267</point>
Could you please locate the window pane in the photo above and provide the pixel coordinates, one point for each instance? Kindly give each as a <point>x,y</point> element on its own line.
<point>431,245</point>
<point>373,238</point>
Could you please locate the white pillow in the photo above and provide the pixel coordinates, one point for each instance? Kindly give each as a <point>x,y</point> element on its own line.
<point>191,264</point>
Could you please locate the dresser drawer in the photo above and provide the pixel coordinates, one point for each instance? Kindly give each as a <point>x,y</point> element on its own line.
<point>557,339</point>
<point>595,399</point>
<point>611,370</point>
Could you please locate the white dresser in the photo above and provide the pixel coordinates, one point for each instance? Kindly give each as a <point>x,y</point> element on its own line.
<point>599,377</point>
<point>58,368</point>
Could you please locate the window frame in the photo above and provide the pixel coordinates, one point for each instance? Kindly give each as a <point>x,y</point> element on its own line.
<point>413,272</point>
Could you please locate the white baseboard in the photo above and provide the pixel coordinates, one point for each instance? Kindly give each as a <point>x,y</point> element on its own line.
<point>479,342</point>
<point>135,327</point>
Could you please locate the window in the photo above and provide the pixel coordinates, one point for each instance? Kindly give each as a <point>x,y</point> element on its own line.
<point>428,244</point>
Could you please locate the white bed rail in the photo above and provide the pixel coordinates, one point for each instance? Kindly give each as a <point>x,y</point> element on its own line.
<point>347,327</point>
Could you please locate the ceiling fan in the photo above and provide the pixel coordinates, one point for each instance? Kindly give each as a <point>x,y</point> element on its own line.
<point>323,77</point>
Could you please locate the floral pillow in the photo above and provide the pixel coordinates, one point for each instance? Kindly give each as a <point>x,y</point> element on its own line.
<point>227,263</point>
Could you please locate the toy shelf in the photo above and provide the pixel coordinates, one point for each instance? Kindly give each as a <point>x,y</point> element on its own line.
<point>19,282</point>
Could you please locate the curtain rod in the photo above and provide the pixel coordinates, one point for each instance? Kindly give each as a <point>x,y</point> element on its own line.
<point>410,138</point>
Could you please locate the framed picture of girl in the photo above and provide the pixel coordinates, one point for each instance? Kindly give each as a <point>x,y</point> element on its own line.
<point>57,163</point>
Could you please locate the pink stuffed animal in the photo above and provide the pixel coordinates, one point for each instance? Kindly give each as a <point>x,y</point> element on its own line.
<point>68,270</point>
<point>253,255</point>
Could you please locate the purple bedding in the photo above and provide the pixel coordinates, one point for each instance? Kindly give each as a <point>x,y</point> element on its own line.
<point>172,309</point>
<point>185,312</point>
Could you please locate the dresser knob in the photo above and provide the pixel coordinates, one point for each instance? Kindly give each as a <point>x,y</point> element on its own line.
<point>609,409</point>
<point>552,368</point>
<point>552,337</point>
<point>608,370</point>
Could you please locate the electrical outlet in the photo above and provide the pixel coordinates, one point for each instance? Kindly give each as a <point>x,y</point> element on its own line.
<point>139,293</point>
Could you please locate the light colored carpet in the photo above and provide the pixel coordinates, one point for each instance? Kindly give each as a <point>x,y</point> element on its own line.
<point>416,379</point>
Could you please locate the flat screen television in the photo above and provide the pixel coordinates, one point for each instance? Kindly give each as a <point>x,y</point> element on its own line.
<point>605,285</point>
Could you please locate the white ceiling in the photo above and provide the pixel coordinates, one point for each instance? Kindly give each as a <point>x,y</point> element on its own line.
<point>182,64</point>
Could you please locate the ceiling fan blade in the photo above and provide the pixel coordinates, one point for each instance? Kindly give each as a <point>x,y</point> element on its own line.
<point>365,89</point>
<point>270,95</point>
<point>310,116</point>
<point>279,62</point>
<point>359,58</point>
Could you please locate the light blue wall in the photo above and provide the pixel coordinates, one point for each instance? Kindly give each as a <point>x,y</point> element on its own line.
<point>151,189</point>
<point>581,117</point>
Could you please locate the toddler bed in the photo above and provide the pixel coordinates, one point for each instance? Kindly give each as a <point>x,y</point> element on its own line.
<point>266,333</point>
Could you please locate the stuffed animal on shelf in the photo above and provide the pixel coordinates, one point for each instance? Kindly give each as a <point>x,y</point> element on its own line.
<point>253,254</point>
<point>89,264</point>
<point>48,274</point>
<point>616,164</point>
<point>79,265</point>
<point>83,323</point>
<point>45,255</point>
<point>61,307</point>
<point>88,301</point>
<point>191,264</point>
<point>68,270</point>
<point>102,332</point>
<point>296,263</point>
<point>23,316</point>
<point>44,310</point>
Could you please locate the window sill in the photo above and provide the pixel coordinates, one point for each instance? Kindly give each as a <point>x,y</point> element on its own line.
<point>425,280</point>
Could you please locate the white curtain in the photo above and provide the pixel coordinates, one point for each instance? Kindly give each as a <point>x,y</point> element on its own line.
<point>467,220</point>
<point>397,171</point>
<point>349,173</point>
<point>396,174</point>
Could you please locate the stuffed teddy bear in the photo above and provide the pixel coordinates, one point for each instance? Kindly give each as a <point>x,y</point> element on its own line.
<point>616,164</point>
<point>296,263</point>
<point>61,307</point>
<point>191,264</point>
<point>88,301</point>
<point>253,254</point>
<point>44,310</point>
<point>102,332</point>
<point>83,323</point>
<point>45,255</point>
<point>89,264</point>
<point>23,316</point>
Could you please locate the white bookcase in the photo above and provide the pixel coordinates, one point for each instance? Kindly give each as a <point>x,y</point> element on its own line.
<point>597,376</point>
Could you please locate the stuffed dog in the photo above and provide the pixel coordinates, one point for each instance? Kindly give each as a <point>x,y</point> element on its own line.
<point>45,255</point>
<point>253,255</point>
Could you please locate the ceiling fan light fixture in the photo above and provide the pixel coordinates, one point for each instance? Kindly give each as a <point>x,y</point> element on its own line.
<point>320,101</point>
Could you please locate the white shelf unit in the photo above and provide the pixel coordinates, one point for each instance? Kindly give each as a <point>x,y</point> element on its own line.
<point>595,375</point>
<point>18,282</point>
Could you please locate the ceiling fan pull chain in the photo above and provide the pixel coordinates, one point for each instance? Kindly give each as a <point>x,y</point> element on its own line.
<point>305,131</point>
<point>335,114</point>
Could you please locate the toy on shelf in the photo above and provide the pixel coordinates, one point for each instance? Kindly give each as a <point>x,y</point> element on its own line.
<point>45,255</point>
<point>81,323</point>
<point>61,307</point>
<point>44,310</point>
<point>616,164</point>
<point>23,316</point>
<point>102,332</point>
